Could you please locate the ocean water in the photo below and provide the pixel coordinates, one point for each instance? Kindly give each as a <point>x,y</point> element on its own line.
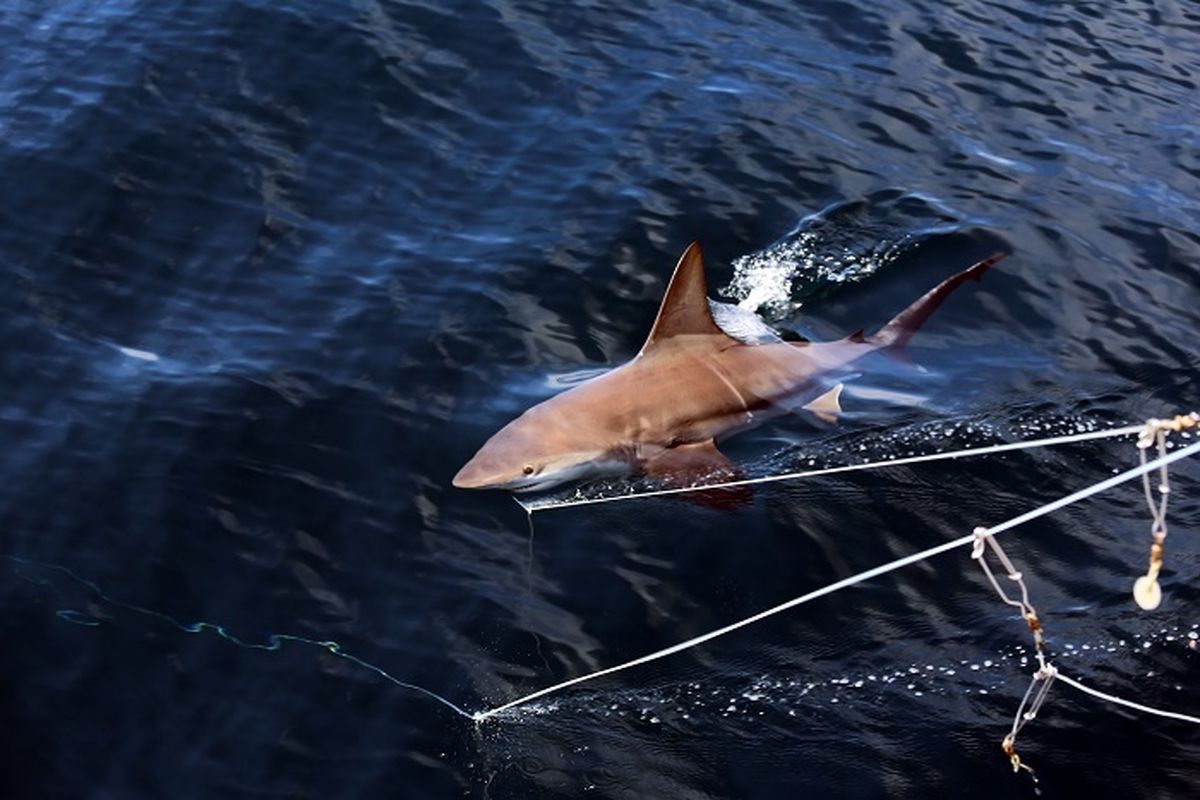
<point>272,271</point>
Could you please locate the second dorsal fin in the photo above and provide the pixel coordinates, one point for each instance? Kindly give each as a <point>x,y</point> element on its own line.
<point>685,310</point>
<point>828,405</point>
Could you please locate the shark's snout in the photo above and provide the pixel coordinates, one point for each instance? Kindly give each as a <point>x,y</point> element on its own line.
<point>494,468</point>
<point>512,459</point>
<point>462,480</point>
<point>473,475</point>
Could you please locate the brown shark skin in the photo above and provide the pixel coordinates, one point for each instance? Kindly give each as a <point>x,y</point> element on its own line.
<point>691,385</point>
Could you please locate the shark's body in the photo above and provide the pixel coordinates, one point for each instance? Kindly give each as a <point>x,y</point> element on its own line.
<point>691,385</point>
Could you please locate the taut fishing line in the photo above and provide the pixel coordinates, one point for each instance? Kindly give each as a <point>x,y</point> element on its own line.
<point>1154,431</point>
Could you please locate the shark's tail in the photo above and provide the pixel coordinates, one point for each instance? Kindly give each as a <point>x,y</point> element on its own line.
<point>902,327</point>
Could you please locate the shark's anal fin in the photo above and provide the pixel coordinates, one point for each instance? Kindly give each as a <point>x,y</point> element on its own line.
<point>699,463</point>
<point>828,405</point>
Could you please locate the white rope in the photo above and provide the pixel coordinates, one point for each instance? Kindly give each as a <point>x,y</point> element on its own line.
<point>1158,712</point>
<point>866,575</point>
<point>531,506</point>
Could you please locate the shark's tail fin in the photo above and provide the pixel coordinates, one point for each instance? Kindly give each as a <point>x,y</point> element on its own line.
<point>902,327</point>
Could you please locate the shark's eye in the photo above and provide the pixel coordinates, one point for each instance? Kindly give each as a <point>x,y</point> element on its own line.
<point>528,469</point>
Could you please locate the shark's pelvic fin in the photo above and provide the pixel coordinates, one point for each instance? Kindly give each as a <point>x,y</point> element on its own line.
<point>684,309</point>
<point>828,405</point>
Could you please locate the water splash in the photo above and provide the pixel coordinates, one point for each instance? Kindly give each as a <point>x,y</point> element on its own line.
<point>843,243</point>
<point>893,442</point>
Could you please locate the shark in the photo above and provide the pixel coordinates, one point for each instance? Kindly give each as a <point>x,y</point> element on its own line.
<point>663,413</point>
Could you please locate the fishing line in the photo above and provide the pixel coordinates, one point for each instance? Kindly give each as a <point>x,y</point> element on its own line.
<point>537,639</point>
<point>1158,712</point>
<point>532,506</point>
<point>874,572</point>
<point>273,642</point>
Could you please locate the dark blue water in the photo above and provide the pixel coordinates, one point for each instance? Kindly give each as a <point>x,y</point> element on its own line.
<point>272,271</point>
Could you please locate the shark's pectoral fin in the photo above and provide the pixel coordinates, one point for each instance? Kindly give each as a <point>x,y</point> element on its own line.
<point>699,464</point>
<point>828,405</point>
<point>685,464</point>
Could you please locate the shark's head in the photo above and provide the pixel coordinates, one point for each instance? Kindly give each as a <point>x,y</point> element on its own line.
<point>592,429</point>
<point>535,451</point>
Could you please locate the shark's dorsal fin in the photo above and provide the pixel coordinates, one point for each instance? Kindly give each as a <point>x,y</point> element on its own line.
<point>684,310</point>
